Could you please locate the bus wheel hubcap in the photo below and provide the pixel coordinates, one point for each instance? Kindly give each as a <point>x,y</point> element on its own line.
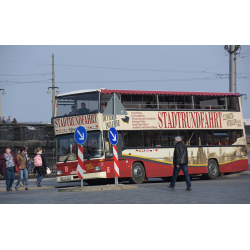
<point>137,172</point>
<point>212,169</point>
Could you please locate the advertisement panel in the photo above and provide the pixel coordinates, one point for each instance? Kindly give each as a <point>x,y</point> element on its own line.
<point>152,120</point>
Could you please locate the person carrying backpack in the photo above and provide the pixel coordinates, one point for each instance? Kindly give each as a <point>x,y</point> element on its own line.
<point>40,165</point>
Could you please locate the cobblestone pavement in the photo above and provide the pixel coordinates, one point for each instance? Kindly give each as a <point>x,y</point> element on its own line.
<point>234,190</point>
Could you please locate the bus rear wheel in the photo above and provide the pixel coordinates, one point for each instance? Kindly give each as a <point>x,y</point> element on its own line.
<point>138,173</point>
<point>213,170</point>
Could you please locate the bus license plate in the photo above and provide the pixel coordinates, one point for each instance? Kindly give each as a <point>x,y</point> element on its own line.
<point>65,178</point>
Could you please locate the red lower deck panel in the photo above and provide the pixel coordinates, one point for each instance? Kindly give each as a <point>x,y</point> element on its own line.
<point>153,168</point>
<point>236,166</point>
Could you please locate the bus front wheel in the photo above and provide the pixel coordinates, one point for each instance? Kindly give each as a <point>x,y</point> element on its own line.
<point>213,170</point>
<point>138,173</point>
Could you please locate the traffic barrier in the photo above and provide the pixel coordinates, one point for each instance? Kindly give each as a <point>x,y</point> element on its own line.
<point>80,169</point>
<point>116,166</point>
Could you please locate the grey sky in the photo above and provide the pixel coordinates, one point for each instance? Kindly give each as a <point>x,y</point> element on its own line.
<point>28,71</point>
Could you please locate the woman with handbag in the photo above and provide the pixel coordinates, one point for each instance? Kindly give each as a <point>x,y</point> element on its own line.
<point>24,166</point>
<point>8,167</point>
<point>40,165</point>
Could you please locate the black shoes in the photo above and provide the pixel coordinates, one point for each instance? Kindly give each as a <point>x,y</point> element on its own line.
<point>38,184</point>
<point>26,188</point>
<point>170,187</point>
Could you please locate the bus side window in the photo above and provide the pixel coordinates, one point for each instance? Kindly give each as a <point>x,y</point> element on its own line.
<point>221,137</point>
<point>204,137</point>
<point>188,137</point>
<point>133,138</point>
<point>235,134</point>
<point>168,137</point>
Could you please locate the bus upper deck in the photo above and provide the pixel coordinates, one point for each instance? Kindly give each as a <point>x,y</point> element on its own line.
<point>95,101</point>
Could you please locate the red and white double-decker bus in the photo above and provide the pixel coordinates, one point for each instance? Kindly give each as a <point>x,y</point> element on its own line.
<point>210,124</point>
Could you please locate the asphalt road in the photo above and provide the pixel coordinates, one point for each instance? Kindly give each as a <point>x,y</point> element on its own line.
<point>234,190</point>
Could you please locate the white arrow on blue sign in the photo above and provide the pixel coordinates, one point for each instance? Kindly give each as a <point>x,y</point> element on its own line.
<point>80,135</point>
<point>113,136</point>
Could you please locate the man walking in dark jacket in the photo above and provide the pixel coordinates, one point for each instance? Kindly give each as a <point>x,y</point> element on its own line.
<point>180,162</point>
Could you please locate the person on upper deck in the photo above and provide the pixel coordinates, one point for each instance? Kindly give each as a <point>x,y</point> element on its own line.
<point>83,109</point>
<point>73,110</point>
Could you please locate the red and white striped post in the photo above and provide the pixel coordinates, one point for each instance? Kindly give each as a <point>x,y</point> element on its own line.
<point>116,165</point>
<point>80,169</point>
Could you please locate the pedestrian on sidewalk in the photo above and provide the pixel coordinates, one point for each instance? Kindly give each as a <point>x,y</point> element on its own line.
<point>24,166</point>
<point>40,165</point>
<point>9,165</point>
<point>180,162</point>
<point>27,156</point>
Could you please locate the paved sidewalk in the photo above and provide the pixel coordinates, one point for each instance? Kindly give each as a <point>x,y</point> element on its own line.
<point>96,188</point>
<point>47,183</point>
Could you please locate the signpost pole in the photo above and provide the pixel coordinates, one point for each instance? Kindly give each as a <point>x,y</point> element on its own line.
<point>80,137</point>
<point>83,164</point>
<point>116,178</point>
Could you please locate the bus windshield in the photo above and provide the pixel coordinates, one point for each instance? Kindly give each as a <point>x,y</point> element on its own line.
<point>80,104</point>
<point>67,147</point>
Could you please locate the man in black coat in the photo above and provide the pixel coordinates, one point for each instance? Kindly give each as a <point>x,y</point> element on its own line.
<point>180,162</point>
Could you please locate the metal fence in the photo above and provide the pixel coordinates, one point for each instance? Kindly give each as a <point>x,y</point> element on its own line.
<point>24,132</point>
<point>32,136</point>
<point>50,160</point>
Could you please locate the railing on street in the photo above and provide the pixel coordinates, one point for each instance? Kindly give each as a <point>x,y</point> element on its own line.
<point>16,135</point>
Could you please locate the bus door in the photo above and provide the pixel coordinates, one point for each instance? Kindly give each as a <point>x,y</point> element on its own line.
<point>109,160</point>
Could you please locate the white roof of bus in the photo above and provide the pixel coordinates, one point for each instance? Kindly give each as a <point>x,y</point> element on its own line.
<point>79,92</point>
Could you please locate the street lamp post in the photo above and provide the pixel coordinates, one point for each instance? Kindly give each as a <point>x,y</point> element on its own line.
<point>245,96</point>
<point>53,97</point>
<point>0,101</point>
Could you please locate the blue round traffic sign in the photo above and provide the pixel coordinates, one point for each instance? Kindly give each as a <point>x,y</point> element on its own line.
<point>113,136</point>
<point>80,135</point>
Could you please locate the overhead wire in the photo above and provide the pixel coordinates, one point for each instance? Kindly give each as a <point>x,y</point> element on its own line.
<point>23,67</point>
<point>26,75</point>
<point>213,77</point>
<point>126,81</point>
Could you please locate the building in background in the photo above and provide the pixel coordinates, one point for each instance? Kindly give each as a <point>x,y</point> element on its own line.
<point>246,121</point>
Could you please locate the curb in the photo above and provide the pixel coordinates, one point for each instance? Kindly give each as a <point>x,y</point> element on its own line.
<point>236,175</point>
<point>23,189</point>
<point>79,189</point>
<point>96,188</point>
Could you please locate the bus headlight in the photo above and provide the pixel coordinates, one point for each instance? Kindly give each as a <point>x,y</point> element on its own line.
<point>98,168</point>
<point>59,172</point>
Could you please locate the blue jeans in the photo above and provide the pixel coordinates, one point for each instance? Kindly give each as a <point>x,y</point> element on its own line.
<point>23,174</point>
<point>10,177</point>
<point>40,176</point>
<point>184,168</point>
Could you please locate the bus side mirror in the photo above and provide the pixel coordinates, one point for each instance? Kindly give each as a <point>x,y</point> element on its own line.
<point>119,145</point>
